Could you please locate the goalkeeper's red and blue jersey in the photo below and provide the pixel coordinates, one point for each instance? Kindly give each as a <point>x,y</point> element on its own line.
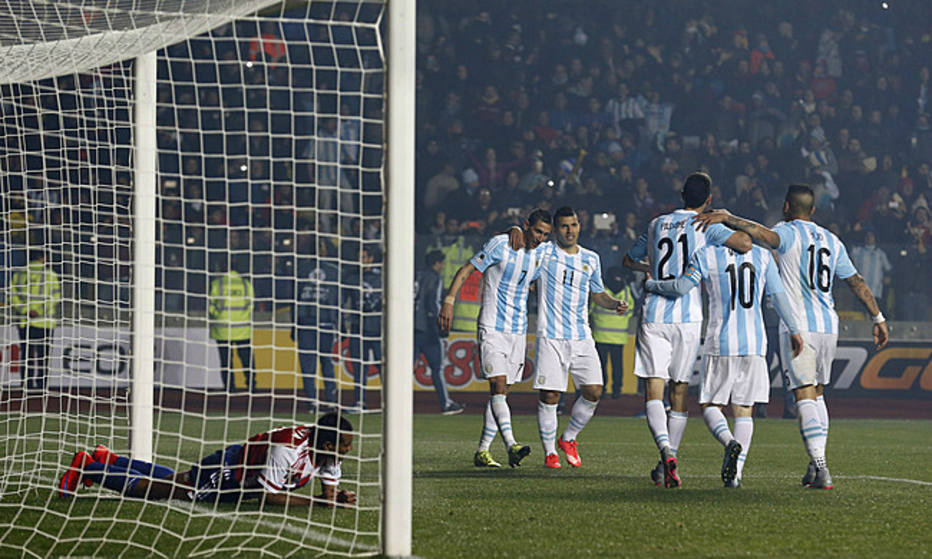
<point>283,460</point>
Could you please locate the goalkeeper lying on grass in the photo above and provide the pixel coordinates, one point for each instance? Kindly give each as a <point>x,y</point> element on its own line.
<point>266,467</point>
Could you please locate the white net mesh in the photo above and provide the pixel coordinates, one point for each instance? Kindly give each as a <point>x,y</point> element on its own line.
<point>270,144</point>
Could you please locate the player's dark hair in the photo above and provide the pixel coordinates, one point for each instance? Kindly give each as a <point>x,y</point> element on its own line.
<point>800,198</point>
<point>433,257</point>
<point>539,216</point>
<point>696,189</point>
<point>565,211</point>
<point>328,429</point>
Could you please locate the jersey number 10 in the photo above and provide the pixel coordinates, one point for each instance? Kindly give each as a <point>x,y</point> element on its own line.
<point>742,282</point>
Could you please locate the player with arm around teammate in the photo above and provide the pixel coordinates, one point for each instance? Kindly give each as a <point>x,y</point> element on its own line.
<point>809,258</point>
<point>670,327</point>
<point>506,274</point>
<point>568,275</point>
<point>734,369</point>
<point>268,466</point>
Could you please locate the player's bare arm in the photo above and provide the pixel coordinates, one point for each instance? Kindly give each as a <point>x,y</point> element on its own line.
<point>606,301</point>
<point>863,293</point>
<point>739,241</point>
<point>445,319</point>
<point>515,237</point>
<point>635,265</point>
<point>764,236</point>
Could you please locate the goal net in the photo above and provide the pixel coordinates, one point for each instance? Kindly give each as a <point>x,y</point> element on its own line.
<point>266,250</point>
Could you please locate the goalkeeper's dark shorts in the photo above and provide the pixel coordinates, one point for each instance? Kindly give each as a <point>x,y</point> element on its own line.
<point>214,479</point>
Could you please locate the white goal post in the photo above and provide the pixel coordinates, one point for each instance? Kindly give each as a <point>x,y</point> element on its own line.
<point>148,148</point>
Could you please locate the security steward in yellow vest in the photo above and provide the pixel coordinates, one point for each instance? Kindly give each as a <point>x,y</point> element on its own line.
<point>467,303</point>
<point>610,330</point>
<point>35,299</point>
<point>230,308</point>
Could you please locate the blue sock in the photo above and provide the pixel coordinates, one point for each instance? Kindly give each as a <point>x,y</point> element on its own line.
<point>145,468</point>
<point>113,477</point>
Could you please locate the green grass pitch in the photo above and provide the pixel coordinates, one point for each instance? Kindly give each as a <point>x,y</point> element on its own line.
<point>608,508</point>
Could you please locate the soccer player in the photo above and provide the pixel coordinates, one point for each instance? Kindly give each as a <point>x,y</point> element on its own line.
<point>567,275</point>
<point>809,258</point>
<point>670,328</point>
<point>266,467</point>
<point>734,369</point>
<point>506,275</point>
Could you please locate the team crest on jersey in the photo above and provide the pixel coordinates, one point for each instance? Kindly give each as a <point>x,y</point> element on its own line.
<point>585,268</point>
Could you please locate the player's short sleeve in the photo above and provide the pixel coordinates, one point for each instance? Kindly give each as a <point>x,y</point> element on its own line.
<point>639,251</point>
<point>331,473</point>
<point>491,253</point>
<point>844,268</point>
<point>595,277</point>
<point>717,234</point>
<point>773,284</point>
<point>273,477</point>
<point>787,236</point>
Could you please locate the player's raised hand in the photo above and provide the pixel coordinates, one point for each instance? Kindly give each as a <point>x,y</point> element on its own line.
<point>706,219</point>
<point>516,237</point>
<point>796,344</point>
<point>881,335</point>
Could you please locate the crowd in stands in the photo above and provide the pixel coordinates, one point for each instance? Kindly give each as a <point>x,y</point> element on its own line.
<point>269,129</point>
<point>607,108</point>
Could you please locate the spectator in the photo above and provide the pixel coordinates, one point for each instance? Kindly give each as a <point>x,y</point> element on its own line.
<point>872,262</point>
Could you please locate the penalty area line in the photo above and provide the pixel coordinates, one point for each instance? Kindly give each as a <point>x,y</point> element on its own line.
<point>893,479</point>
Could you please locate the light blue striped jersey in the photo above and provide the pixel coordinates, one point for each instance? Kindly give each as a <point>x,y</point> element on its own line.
<point>735,284</point>
<point>506,275</point>
<point>565,282</point>
<point>669,243</point>
<point>810,258</point>
<point>873,264</point>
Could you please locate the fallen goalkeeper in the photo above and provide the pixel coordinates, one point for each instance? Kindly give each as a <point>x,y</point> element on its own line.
<point>266,467</point>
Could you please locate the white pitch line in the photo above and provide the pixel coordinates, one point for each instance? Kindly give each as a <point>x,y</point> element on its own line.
<point>882,478</point>
<point>308,533</point>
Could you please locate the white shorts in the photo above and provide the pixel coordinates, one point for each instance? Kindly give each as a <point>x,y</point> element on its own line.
<point>667,351</point>
<point>502,354</point>
<point>814,364</point>
<point>734,379</point>
<point>557,359</point>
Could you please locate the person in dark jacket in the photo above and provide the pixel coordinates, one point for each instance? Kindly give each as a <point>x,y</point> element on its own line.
<point>428,291</point>
<point>316,321</point>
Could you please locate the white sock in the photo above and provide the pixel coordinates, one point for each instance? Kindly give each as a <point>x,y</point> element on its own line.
<point>489,428</point>
<point>547,424</point>
<point>583,410</point>
<point>676,424</point>
<point>744,430</point>
<point>502,414</point>
<point>812,431</point>
<point>657,422</point>
<point>823,416</point>
<point>717,424</point>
